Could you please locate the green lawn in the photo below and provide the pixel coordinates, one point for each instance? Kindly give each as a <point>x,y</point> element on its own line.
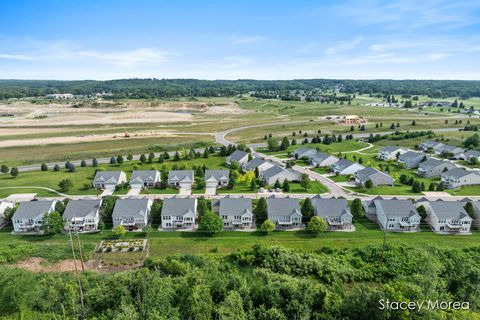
<point>13,248</point>
<point>465,191</point>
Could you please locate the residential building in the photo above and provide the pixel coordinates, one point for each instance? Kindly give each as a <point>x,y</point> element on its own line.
<point>411,159</point>
<point>216,178</point>
<point>335,212</point>
<point>131,213</point>
<point>321,159</point>
<point>179,213</point>
<point>434,167</point>
<point>284,212</point>
<point>447,216</point>
<point>344,167</point>
<point>109,179</point>
<point>82,215</point>
<point>28,218</point>
<point>390,153</point>
<point>352,119</point>
<point>458,177</point>
<point>451,152</point>
<point>304,152</point>
<point>257,163</point>
<point>4,205</point>
<point>476,211</point>
<point>393,214</point>
<point>469,155</point>
<point>236,213</point>
<point>271,175</point>
<point>144,178</point>
<point>181,178</point>
<point>377,177</point>
<point>238,156</point>
<point>430,146</point>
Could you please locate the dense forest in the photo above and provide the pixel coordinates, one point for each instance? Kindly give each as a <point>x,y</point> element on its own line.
<point>159,88</point>
<point>257,283</point>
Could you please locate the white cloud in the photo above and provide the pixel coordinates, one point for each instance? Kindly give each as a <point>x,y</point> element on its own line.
<point>248,39</point>
<point>344,46</point>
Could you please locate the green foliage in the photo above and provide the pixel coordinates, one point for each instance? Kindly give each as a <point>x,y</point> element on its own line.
<point>356,208</point>
<point>210,223</point>
<point>52,223</point>
<point>65,185</point>
<point>108,205</point>
<point>268,226</point>
<point>14,172</point>
<point>260,210</point>
<point>119,231</point>
<point>316,225</point>
<point>305,181</point>
<point>307,209</point>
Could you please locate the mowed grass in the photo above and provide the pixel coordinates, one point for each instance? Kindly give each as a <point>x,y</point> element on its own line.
<point>14,248</point>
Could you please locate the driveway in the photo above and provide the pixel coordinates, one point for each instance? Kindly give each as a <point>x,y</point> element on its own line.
<point>135,191</point>
<point>211,191</point>
<point>107,192</point>
<point>185,191</point>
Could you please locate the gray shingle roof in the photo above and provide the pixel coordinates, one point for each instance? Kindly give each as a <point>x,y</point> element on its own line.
<point>234,206</point>
<point>237,155</point>
<point>331,207</point>
<point>178,206</point>
<point>131,207</point>
<point>32,209</point>
<point>320,156</point>
<point>342,164</point>
<point>218,175</point>
<point>431,144</point>
<point>108,176</point>
<point>254,163</point>
<point>140,176</point>
<point>390,149</point>
<point>367,173</point>
<point>81,208</point>
<point>448,209</point>
<point>457,173</point>
<point>472,153</point>
<point>396,208</point>
<point>283,206</point>
<point>181,175</point>
<point>304,150</point>
<point>411,155</point>
<point>432,163</point>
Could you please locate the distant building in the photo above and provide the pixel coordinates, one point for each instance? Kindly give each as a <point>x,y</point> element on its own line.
<point>271,175</point>
<point>335,212</point>
<point>144,178</point>
<point>284,212</point>
<point>411,159</point>
<point>82,215</point>
<point>238,156</point>
<point>108,179</point>
<point>304,152</point>
<point>216,178</point>
<point>28,218</point>
<point>434,167</point>
<point>344,167</point>
<point>257,163</point>
<point>133,214</point>
<point>321,159</point>
<point>237,213</point>
<point>447,216</point>
<point>179,213</point>
<point>394,214</point>
<point>390,153</point>
<point>377,177</point>
<point>458,177</point>
<point>352,119</point>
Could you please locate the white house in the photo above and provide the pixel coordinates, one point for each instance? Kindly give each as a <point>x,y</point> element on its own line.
<point>476,211</point>
<point>216,178</point>
<point>133,214</point>
<point>257,163</point>
<point>304,152</point>
<point>238,156</point>
<point>377,177</point>
<point>451,152</point>
<point>82,215</point>
<point>144,178</point>
<point>430,146</point>
<point>393,214</point>
<point>271,175</point>
<point>109,179</point>
<point>284,212</point>
<point>344,167</point>
<point>28,218</point>
<point>179,213</point>
<point>181,179</point>
<point>321,159</point>
<point>458,177</point>
<point>236,213</point>
<point>335,212</point>
<point>412,159</point>
<point>469,155</point>
<point>390,152</point>
<point>447,216</point>
<point>434,167</point>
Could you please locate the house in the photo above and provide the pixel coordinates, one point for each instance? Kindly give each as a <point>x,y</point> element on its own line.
<point>459,177</point>
<point>238,156</point>
<point>430,146</point>
<point>321,159</point>
<point>393,214</point>
<point>28,217</point>
<point>216,178</point>
<point>304,152</point>
<point>236,213</point>
<point>109,179</point>
<point>377,177</point>
<point>476,211</point>
<point>335,212</point>
<point>284,212</point>
<point>411,159</point>
<point>434,167</point>
<point>270,176</point>
<point>390,153</point>
<point>352,119</point>
<point>144,178</point>
<point>82,215</point>
<point>447,216</point>
<point>257,163</point>
<point>451,152</point>
<point>181,178</point>
<point>4,205</point>
<point>133,214</point>
<point>344,166</point>
<point>179,213</point>
<point>469,155</point>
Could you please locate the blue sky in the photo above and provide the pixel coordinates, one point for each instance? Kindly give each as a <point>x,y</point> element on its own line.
<point>369,39</point>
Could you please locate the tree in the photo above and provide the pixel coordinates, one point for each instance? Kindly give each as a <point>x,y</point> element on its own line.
<point>176,156</point>
<point>8,213</point>
<point>108,205</point>
<point>202,206</point>
<point>210,223</point>
<point>305,181</point>
<point>83,164</point>
<point>232,182</point>
<point>268,226</point>
<point>151,156</point>
<point>356,208</point>
<point>392,126</point>
<point>368,184</point>
<point>414,123</point>
<point>119,159</point>
<point>44,167</point>
<point>119,231</point>
<point>472,141</point>
<point>232,307</point>
<point>60,206</point>
<point>469,209</point>
<point>56,168</point>
<point>261,210</point>
<point>316,225</point>
<point>52,223</point>
<point>272,144</point>
<point>4,169</point>
<point>441,186</point>
<point>71,168</point>
<point>422,211</point>
<point>94,162</point>
<point>253,185</point>
<point>113,160</point>
<point>307,209</point>
<point>65,185</point>
<point>14,172</point>
<point>285,144</point>
<point>286,185</point>
<point>129,157</point>
<point>277,184</point>
<point>143,158</point>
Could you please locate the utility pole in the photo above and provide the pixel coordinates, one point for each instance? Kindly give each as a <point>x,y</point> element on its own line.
<point>76,272</point>
<point>78,241</point>
<point>384,239</point>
